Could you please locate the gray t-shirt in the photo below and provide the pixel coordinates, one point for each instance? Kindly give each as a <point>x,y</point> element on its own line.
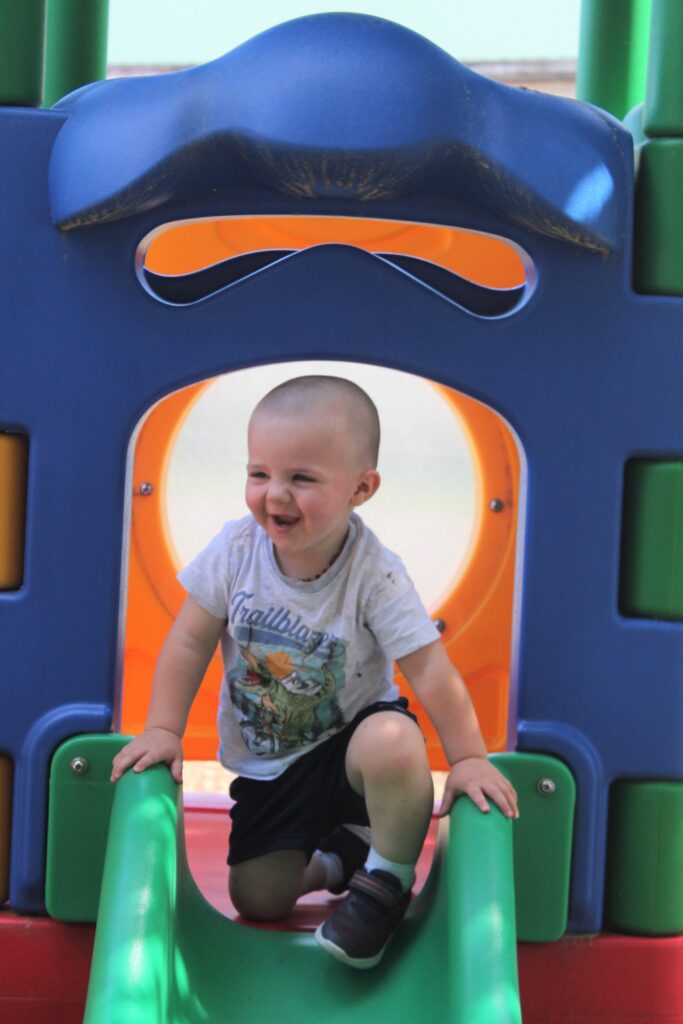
<point>301,659</point>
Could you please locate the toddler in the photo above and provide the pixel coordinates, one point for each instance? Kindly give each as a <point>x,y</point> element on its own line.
<point>311,611</point>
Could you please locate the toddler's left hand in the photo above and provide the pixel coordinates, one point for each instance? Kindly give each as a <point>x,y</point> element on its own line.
<point>478,779</point>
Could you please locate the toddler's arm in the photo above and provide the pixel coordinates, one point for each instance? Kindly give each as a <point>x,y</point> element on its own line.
<point>183,659</point>
<point>443,694</point>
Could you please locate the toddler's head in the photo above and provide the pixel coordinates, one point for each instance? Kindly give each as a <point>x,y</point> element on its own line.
<point>313,445</point>
<point>331,402</point>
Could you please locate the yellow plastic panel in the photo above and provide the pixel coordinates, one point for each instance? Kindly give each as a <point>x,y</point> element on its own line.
<point>13,463</point>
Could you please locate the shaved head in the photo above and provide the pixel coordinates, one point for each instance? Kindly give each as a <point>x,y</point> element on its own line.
<point>329,398</point>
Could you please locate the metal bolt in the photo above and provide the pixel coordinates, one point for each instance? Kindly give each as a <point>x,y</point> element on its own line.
<point>546,787</point>
<point>440,625</point>
<point>79,765</point>
<point>145,489</point>
<point>496,505</point>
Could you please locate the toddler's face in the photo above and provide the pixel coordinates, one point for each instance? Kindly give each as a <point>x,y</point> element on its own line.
<point>303,482</point>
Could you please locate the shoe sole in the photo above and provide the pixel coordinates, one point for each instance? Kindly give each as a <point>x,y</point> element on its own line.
<point>361,964</point>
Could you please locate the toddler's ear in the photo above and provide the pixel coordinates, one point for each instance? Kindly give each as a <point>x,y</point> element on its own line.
<point>368,482</point>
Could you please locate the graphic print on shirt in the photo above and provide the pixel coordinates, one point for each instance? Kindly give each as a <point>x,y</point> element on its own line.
<point>285,682</point>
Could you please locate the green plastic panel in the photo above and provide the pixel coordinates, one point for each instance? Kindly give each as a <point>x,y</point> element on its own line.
<point>633,123</point>
<point>80,805</point>
<point>22,42</point>
<point>663,114</point>
<point>542,838</point>
<point>652,540</point>
<point>644,891</point>
<point>78,821</point>
<point>76,46</point>
<point>613,48</point>
<point>658,267</point>
<point>164,956</point>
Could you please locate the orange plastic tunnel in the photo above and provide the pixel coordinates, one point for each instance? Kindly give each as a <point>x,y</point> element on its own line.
<point>477,613</point>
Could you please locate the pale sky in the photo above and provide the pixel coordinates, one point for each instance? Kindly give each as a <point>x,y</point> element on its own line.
<point>172,32</point>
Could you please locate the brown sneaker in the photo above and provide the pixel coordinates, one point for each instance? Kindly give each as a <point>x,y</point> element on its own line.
<point>358,930</point>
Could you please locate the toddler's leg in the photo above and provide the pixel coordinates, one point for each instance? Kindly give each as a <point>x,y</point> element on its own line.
<point>386,764</point>
<point>266,888</point>
<point>338,857</point>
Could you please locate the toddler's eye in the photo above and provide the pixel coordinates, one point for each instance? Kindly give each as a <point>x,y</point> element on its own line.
<point>302,478</point>
<point>257,475</point>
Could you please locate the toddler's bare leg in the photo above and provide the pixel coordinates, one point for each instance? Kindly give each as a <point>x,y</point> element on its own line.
<point>386,763</point>
<point>266,888</point>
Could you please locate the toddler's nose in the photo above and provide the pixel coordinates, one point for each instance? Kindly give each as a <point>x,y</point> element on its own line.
<point>279,492</point>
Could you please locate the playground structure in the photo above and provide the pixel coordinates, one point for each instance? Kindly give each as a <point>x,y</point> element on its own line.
<point>567,369</point>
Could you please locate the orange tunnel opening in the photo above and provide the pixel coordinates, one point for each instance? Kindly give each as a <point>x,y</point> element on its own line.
<point>477,612</point>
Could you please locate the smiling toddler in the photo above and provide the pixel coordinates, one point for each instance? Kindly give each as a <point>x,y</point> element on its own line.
<point>334,789</point>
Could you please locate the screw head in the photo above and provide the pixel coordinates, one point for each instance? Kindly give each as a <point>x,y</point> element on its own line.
<point>145,489</point>
<point>79,765</point>
<point>496,505</point>
<point>546,787</point>
<point>440,625</point>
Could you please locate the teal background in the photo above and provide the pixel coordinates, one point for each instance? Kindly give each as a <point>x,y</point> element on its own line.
<point>177,32</point>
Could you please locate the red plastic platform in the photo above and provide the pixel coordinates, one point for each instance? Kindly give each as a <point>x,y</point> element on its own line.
<point>44,967</point>
<point>609,979</point>
<point>605,979</point>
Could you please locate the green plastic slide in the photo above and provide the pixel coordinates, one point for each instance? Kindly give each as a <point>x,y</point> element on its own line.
<point>163,955</point>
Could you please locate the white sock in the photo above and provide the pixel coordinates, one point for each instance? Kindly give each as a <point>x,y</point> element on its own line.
<point>332,866</point>
<point>405,873</point>
<point>361,831</point>
<point>332,863</point>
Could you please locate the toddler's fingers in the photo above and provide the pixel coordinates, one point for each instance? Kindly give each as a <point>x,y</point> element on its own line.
<point>449,797</point>
<point>121,764</point>
<point>506,800</point>
<point>176,767</point>
<point>479,800</point>
<point>509,795</point>
<point>475,794</point>
<point>146,761</point>
<point>445,806</point>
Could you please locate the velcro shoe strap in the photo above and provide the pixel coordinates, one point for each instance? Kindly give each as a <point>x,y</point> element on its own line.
<point>375,887</point>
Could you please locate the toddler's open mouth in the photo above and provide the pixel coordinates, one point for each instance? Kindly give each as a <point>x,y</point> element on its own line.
<point>284,521</point>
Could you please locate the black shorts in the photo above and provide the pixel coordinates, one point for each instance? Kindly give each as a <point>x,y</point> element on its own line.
<point>304,804</point>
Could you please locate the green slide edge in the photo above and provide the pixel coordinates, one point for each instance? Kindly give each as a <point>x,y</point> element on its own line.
<point>163,955</point>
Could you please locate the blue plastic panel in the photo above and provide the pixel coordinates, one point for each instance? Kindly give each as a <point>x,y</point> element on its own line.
<point>587,373</point>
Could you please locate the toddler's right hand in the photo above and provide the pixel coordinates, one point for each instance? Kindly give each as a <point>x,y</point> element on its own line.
<point>153,746</point>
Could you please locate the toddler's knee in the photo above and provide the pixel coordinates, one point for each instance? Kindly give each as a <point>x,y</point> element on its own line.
<point>266,888</point>
<point>396,750</point>
<point>257,906</point>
